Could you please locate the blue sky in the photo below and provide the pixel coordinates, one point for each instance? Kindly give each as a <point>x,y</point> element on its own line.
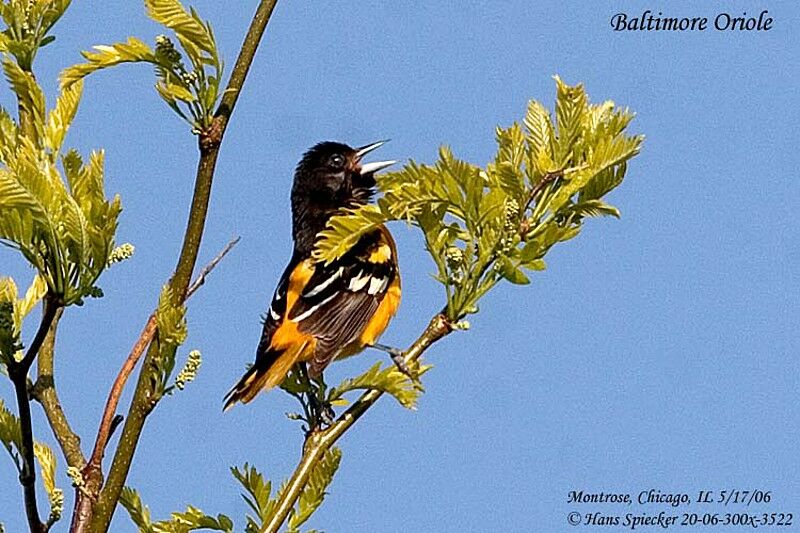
<point>657,351</point>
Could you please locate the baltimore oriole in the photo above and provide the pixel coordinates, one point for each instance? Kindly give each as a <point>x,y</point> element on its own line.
<point>324,312</point>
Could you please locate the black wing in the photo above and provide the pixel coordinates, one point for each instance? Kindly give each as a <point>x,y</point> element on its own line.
<point>340,299</point>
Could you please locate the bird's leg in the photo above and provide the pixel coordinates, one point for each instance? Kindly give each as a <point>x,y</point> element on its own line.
<point>325,411</point>
<point>321,411</point>
<point>398,357</point>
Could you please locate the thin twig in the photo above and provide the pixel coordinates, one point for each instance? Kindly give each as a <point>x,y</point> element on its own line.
<point>198,282</point>
<point>320,442</point>
<point>48,315</point>
<point>92,472</point>
<point>18,372</point>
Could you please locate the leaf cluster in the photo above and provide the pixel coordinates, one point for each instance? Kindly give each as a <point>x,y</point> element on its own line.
<point>172,332</point>
<point>180,522</point>
<point>63,227</point>
<point>482,225</point>
<point>257,495</point>
<point>28,23</point>
<point>258,492</point>
<point>190,89</point>
<point>385,379</point>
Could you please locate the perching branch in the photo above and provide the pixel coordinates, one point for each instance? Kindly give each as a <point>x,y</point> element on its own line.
<point>18,372</point>
<point>319,442</point>
<point>210,142</point>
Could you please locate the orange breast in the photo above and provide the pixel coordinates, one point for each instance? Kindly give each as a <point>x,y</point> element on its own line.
<point>383,314</point>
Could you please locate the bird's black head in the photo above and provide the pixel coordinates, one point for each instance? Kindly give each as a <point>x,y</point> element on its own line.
<point>329,177</point>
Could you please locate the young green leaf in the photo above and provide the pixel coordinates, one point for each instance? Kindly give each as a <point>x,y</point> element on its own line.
<point>258,492</point>
<point>389,380</point>
<point>61,117</point>
<point>180,522</point>
<point>512,273</point>
<point>194,34</point>
<point>140,515</point>
<point>30,95</point>
<point>106,56</point>
<point>47,462</point>
<point>315,490</point>
<point>10,434</point>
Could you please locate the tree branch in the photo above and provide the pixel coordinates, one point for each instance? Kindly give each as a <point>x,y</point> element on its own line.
<point>319,442</point>
<point>18,372</point>
<point>209,143</point>
<point>92,471</point>
<point>44,392</point>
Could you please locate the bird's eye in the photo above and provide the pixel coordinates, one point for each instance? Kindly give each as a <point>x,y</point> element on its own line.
<point>337,161</point>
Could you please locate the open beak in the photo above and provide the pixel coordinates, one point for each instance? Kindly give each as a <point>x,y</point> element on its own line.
<point>370,168</point>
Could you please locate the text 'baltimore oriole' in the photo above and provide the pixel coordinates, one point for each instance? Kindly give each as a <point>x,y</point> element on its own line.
<point>324,312</point>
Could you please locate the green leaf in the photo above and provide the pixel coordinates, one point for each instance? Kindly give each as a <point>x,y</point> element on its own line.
<point>571,107</point>
<point>539,127</point>
<point>30,95</point>
<point>173,91</point>
<point>172,331</point>
<point>593,208</point>
<point>512,273</point>
<point>192,32</point>
<point>61,117</point>
<point>257,497</point>
<point>343,231</point>
<point>510,145</point>
<point>193,519</point>
<point>389,380</point>
<point>139,513</point>
<point>180,522</point>
<point>536,264</point>
<point>9,334</point>
<point>10,434</point>
<point>315,490</point>
<point>67,235</point>
<point>48,12</point>
<point>22,307</point>
<point>11,438</point>
<point>171,318</point>
<point>603,183</point>
<point>510,179</point>
<point>105,56</point>
<point>47,462</point>
<point>530,256</point>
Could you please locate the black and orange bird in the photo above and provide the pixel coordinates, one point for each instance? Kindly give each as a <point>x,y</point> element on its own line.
<point>321,312</point>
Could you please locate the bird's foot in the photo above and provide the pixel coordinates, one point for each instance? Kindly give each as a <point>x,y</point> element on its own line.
<point>398,358</point>
<point>322,412</point>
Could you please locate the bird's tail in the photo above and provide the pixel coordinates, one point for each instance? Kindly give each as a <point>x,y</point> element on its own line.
<point>263,376</point>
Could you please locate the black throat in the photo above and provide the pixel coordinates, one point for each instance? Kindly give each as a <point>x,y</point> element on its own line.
<point>310,214</point>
